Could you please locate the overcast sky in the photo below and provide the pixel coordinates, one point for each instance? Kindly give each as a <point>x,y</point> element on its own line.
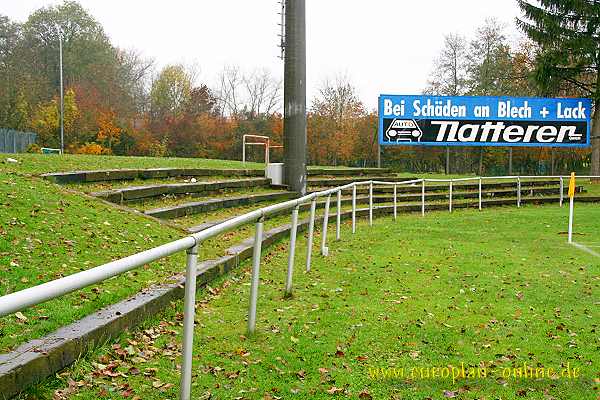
<point>383,46</point>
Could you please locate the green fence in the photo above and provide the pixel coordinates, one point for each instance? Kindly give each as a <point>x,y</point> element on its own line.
<point>12,141</point>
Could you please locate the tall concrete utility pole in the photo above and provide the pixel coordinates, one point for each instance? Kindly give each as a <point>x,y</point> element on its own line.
<point>294,96</point>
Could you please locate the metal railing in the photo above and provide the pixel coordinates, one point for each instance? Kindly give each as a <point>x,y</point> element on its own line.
<point>32,296</point>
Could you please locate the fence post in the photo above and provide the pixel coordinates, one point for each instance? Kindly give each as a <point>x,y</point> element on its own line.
<point>324,249</point>
<point>562,188</point>
<point>395,201</point>
<point>189,313</point>
<point>479,193</point>
<point>292,253</point>
<point>354,208</point>
<point>371,204</point>
<point>450,195</point>
<point>311,230</point>
<point>255,275</point>
<point>338,221</point>
<point>244,149</point>
<point>518,191</point>
<point>423,197</point>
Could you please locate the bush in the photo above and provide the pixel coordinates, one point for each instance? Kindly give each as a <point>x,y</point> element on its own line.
<point>34,148</point>
<point>92,148</point>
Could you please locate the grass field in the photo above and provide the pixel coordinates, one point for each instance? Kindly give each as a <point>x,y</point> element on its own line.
<point>48,231</point>
<point>490,291</point>
<point>39,164</point>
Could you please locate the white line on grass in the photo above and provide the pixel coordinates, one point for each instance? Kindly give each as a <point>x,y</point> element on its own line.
<point>586,249</point>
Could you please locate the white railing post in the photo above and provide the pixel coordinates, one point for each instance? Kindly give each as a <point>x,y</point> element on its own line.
<point>338,221</point>
<point>258,235</point>
<point>371,204</point>
<point>311,231</point>
<point>292,253</point>
<point>395,202</point>
<point>479,193</point>
<point>450,195</point>
<point>518,191</point>
<point>324,249</point>
<point>189,314</point>
<point>562,188</point>
<point>354,208</point>
<point>423,197</point>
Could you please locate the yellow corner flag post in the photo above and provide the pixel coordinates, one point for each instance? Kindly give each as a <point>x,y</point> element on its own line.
<point>571,197</point>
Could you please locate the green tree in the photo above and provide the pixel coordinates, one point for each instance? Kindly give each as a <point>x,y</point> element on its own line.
<point>87,52</point>
<point>171,92</point>
<point>13,106</point>
<point>568,34</point>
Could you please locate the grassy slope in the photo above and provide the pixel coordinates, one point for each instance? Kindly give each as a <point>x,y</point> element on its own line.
<point>497,288</point>
<point>38,164</point>
<point>48,231</point>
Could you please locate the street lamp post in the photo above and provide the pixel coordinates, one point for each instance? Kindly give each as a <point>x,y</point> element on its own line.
<point>62,96</point>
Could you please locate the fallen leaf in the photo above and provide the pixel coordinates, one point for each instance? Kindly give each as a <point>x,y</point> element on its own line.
<point>364,394</point>
<point>335,390</point>
<point>20,316</point>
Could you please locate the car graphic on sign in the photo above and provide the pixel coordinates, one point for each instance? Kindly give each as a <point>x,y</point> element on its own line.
<point>404,130</point>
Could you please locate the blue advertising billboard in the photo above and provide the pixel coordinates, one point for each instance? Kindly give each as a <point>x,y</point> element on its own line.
<point>484,121</point>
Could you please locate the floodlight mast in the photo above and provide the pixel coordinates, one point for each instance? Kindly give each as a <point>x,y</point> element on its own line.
<point>62,95</point>
<point>294,95</point>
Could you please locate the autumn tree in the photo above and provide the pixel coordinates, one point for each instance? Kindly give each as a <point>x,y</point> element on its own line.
<point>46,120</point>
<point>334,114</point>
<point>108,130</point>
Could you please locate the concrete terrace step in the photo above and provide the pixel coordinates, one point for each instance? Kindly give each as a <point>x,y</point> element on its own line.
<point>216,204</point>
<point>402,199</point>
<point>328,182</point>
<point>152,173</point>
<point>142,192</point>
<point>348,171</point>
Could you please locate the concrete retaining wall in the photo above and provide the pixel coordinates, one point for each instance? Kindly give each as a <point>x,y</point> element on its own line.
<point>151,173</point>
<point>216,204</point>
<point>143,192</point>
<point>348,171</point>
